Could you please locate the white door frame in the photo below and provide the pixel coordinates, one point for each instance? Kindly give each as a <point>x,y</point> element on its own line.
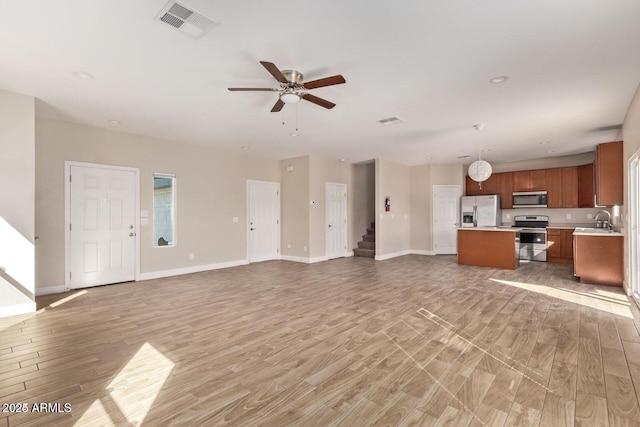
<point>345,237</point>
<point>633,233</point>
<point>433,211</point>
<point>67,215</point>
<point>248,216</point>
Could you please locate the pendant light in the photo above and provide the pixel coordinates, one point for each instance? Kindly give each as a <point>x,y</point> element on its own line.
<point>480,170</point>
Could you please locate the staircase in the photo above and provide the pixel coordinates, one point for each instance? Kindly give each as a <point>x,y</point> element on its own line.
<point>367,247</point>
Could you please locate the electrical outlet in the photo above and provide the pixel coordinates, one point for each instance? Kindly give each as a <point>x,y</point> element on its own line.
<point>304,248</point>
<point>589,216</point>
<point>568,216</point>
<point>192,257</point>
<point>288,245</point>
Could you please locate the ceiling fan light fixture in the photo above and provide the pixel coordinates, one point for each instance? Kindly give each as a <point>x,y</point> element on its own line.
<point>290,98</point>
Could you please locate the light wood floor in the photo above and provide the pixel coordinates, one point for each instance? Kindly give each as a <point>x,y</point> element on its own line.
<point>414,340</point>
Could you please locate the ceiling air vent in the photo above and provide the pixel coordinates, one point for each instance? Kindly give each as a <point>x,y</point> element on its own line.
<point>185,19</point>
<point>390,121</point>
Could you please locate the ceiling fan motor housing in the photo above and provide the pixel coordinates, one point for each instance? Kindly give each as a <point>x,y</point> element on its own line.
<point>293,76</point>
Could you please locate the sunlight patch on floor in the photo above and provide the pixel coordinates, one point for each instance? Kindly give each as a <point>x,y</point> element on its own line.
<point>67,299</point>
<point>609,301</point>
<point>136,387</point>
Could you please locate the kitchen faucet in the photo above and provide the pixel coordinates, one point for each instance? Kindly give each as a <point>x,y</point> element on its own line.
<point>603,224</point>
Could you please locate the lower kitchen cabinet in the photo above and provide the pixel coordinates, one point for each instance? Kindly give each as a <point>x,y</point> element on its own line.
<point>560,245</point>
<point>487,248</point>
<point>598,259</point>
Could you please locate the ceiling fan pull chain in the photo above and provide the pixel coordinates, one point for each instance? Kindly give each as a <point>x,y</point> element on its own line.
<point>296,118</point>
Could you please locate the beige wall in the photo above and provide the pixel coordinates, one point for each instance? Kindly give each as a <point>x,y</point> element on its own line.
<point>211,190</point>
<point>421,216</point>
<point>17,203</point>
<point>393,229</point>
<point>546,163</point>
<point>295,207</point>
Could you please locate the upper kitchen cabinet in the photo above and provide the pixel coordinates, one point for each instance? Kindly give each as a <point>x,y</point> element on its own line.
<point>473,188</point>
<point>608,173</point>
<point>532,180</point>
<point>586,189</point>
<point>504,183</point>
<point>562,187</point>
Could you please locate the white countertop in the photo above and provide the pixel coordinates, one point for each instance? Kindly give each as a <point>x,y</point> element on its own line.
<point>596,232</point>
<point>502,228</point>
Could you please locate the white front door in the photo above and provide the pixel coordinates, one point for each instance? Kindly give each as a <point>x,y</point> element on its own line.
<point>336,215</point>
<point>446,206</point>
<point>264,220</point>
<point>102,213</point>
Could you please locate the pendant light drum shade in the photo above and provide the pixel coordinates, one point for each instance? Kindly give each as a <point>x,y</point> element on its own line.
<point>480,171</point>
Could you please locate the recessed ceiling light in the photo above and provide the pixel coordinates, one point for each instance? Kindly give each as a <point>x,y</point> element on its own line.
<point>83,75</point>
<point>294,134</point>
<point>343,159</point>
<point>484,150</point>
<point>114,122</point>
<point>545,142</point>
<point>463,157</point>
<point>244,147</point>
<point>550,151</point>
<point>499,79</point>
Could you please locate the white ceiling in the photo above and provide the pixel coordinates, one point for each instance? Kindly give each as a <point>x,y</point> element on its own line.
<point>573,67</point>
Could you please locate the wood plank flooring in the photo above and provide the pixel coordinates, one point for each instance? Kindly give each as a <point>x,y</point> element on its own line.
<point>410,341</point>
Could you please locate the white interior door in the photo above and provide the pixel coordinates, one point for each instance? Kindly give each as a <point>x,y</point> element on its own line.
<point>102,213</point>
<point>336,216</point>
<point>264,220</point>
<point>634,229</point>
<point>446,207</point>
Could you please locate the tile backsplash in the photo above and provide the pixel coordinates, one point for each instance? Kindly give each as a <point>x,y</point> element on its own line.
<point>558,216</point>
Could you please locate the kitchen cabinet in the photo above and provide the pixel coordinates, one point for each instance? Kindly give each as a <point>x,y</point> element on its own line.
<point>504,184</point>
<point>554,188</point>
<point>531,180</point>
<point>608,174</point>
<point>471,187</point>
<point>487,248</point>
<point>560,245</point>
<point>598,259</point>
<point>586,189</point>
<point>569,187</point>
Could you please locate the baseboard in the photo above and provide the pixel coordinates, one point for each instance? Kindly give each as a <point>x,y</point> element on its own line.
<point>50,290</point>
<point>16,309</point>
<point>303,259</point>
<point>421,252</point>
<point>348,254</point>
<point>392,255</point>
<point>189,270</point>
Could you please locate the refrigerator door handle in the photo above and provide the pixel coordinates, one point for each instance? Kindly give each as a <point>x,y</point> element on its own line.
<point>475,215</point>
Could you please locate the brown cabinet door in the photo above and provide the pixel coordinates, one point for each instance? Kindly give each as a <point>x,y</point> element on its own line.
<point>569,187</point>
<point>471,187</point>
<point>609,176</point>
<point>554,243</point>
<point>521,181</point>
<point>554,188</point>
<point>490,186</point>
<point>586,190</point>
<point>538,180</point>
<point>566,237</point>
<point>504,183</point>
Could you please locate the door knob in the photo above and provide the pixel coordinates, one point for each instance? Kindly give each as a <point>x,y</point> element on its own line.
<point>252,229</point>
<point>330,225</point>
<point>132,234</point>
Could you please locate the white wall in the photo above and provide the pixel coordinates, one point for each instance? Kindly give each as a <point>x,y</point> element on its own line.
<point>17,206</point>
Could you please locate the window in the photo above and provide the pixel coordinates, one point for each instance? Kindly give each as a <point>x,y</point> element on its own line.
<point>164,208</point>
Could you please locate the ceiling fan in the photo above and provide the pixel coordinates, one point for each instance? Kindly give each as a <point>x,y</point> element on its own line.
<point>292,89</point>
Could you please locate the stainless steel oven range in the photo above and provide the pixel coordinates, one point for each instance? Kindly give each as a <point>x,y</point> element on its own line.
<point>533,237</point>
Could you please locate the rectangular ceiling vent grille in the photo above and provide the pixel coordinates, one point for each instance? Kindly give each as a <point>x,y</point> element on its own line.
<point>390,121</point>
<point>185,19</point>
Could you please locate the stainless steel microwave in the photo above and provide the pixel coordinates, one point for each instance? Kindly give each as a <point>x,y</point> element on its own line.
<point>530,199</point>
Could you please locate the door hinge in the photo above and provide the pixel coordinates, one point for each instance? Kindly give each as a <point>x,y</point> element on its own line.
<point>69,178</point>
<point>69,275</point>
<point>69,226</point>
<point>278,221</point>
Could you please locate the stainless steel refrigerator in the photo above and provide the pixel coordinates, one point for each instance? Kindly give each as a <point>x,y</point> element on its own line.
<point>480,211</point>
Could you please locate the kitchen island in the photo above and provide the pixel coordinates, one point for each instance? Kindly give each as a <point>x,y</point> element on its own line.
<point>495,247</point>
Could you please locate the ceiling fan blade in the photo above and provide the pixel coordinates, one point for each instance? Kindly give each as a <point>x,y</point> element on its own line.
<point>318,101</point>
<point>265,89</point>
<point>327,81</point>
<point>277,106</point>
<point>275,72</point>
